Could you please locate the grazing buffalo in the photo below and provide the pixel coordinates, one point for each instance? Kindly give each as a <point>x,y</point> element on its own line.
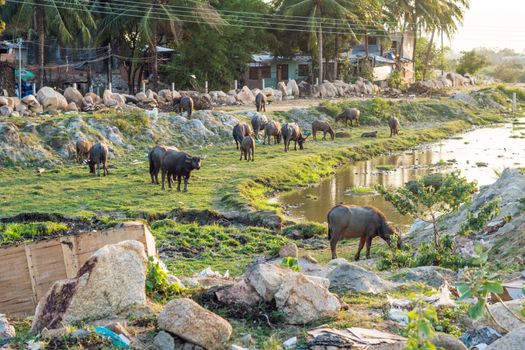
<point>239,131</point>
<point>98,154</point>
<point>351,221</point>
<point>260,102</point>
<point>273,128</point>
<point>292,132</point>
<point>321,125</point>
<point>155,161</point>
<point>369,134</point>
<point>394,125</point>
<point>258,124</point>
<point>248,148</point>
<point>349,114</point>
<point>184,104</point>
<point>83,147</point>
<point>177,165</point>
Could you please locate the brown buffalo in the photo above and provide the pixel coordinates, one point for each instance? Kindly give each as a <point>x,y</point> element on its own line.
<point>273,128</point>
<point>321,125</point>
<point>248,148</point>
<point>239,131</point>
<point>98,154</point>
<point>394,125</point>
<point>292,132</point>
<point>349,114</point>
<point>83,146</point>
<point>155,161</point>
<point>184,104</point>
<point>351,221</point>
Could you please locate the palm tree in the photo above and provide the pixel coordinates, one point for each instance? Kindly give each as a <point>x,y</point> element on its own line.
<point>319,11</point>
<point>149,22</point>
<point>427,15</point>
<point>68,21</point>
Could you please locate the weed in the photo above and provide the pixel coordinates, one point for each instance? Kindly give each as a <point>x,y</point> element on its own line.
<point>385,167</point>
<point>21,232</point>
<point>291,263</point>
<point>157,283</point>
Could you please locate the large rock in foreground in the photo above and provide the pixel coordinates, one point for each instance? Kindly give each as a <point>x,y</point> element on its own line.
<point>352,277</point>
<point>190,321</point>
<point>112,280</point>
<point>73,95</point>
<point>513,340</point>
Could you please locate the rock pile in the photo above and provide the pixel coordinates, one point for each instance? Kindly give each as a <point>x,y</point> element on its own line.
<point>447,81</point>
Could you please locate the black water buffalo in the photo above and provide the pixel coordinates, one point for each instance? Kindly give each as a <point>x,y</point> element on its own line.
<point>155,161</point>
<point>258,124</point>
<point>349,114</point>
<point>248,148</point>
<point>351,221</point>
<point>184,104</point>
<point>273,128</point>
<point>321,125</point>
<point>239,131</point>
<point>292,132</point>
<point>260,102</point>
<point>177,165</point>
<point>394,125</point>
<point>98,154</point>
<point>83,147</point>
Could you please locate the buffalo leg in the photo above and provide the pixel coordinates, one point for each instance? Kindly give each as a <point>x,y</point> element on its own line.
<point>361,245</point>
<point>368,245</point>
<point>163,178</point>
<point>253,154</point>
<point>186,178</point>
<point>170,178</point>
<point>105,168</point>
<point>98,168</point>
<point>295,145</point>
<point>241,155</point>
<point>314,134</point>
<point>179,179</point>
<point>333,247</point>
<point>324,135</point>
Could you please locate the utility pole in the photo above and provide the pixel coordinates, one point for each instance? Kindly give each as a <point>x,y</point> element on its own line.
<point>20,68</point>
<point>110,74</point>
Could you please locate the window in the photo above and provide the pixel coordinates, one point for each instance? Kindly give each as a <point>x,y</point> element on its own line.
<point>254,73</point>
<point>266,72</point>
<point>372,40</point>
<point>303,70</point>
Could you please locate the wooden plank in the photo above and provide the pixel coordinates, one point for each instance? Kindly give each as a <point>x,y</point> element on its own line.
<point>30,267</point>
<point>69,253</point>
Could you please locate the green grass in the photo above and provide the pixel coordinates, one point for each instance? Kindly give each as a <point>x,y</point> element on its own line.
<point>21,232</point>
<point>385,167</point>
<point>360,191</point>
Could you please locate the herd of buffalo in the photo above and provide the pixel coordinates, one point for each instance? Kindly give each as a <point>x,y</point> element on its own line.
<point>344,221</point>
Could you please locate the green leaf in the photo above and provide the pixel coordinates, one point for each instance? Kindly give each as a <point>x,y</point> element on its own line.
<point>462,287</point>
<point>476,310</point>
<point>494,287</point>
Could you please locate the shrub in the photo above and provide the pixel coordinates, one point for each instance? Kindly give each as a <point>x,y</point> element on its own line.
<point>307,230</point>
<point>157,284</point>
<point>477,220</point>
<point>396,81</point>
<point>291,263</point>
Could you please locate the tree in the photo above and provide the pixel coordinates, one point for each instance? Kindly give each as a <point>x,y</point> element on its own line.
<point>426,201</point>
<point>429,60</point>
<point>72,24</point>
<point>471,62</point>
<point>509,72</point>
<point>427,15</point>
<point>318,12</point>
<point>144,24</point>
<point>219,57</point>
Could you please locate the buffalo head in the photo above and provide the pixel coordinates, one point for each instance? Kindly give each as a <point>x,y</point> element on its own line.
<point>301,140</point>
<point>195,162</point>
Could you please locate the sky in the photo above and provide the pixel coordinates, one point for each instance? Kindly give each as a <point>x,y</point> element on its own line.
<point>494,24</point>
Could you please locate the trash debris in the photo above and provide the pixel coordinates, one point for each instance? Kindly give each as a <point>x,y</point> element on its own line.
<point>208,272</point>
<point>119,340</point>
<point>355,337</point>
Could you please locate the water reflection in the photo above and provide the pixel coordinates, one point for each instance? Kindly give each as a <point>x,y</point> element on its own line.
<point>493,146</point>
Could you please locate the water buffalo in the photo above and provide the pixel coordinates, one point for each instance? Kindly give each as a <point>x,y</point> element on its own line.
<point>258,124</point>
<point>321,125</point>
<point>273,128</point>
<point>351,221</point>
<point>239,131</point>
<point>248,148</point>
<point>349,114</point>
<point>260,102</point>
<point>369,134</point>
<point>184,104</point>
<point>177,165</point>
<point>394,125</point>
<point>83,146</point>
<point>98,154</point>
<point>155,161</point>
<point>292,132</point>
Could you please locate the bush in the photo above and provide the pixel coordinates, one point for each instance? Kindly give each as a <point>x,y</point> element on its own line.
<point>396,81</point>
<point>157,284</point>
<point>306,230</point>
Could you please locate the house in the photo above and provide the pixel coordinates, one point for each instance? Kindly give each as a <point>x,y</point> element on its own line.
<point>266,70</point>
<point>385,60</point>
